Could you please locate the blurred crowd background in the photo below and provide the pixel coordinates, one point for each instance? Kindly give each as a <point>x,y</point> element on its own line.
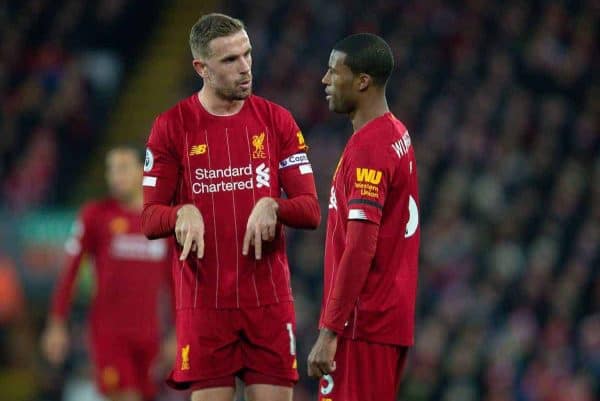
<point>502,100</point>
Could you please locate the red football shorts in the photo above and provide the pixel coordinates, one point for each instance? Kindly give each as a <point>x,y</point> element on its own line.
<point>215,345</point>
<point>364,372</point>
<point>123,362</point>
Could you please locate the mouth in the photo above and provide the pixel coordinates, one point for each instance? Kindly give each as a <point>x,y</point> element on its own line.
<point>245,84</point>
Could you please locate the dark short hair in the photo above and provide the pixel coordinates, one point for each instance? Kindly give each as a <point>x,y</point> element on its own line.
<point>369,54</point>
<point>209,27</point>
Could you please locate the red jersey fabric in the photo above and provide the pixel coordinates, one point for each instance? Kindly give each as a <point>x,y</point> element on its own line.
<point>130,270</point>
<point>353,270</point>
<point>224,165</point>
<point>376,181</point>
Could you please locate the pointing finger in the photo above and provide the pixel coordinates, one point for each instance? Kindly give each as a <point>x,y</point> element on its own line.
<point>200,243</point>
<point>257,243</point>
<point>187,245</point>
<point>246,244</point>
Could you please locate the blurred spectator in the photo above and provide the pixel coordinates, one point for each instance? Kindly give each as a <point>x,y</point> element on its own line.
<point>61,64</point>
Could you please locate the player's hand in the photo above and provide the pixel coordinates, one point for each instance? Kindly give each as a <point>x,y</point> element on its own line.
<point>320,359</point>
<point>55,342</point>
<point>167,356</point>
<point>189,231</point>
<point>261,226</point>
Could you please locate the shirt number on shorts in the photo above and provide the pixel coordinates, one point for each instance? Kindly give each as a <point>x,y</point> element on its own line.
<point>288,326</point>
<point>327,385</point>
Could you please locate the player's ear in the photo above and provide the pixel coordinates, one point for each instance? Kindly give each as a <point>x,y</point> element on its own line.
<point>364,80</point>
<point>200,67</point>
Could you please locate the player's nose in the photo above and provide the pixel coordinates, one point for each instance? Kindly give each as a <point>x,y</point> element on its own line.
<point>244,66</point>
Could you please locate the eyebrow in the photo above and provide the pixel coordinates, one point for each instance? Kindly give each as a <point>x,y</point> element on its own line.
<point>233,56</point>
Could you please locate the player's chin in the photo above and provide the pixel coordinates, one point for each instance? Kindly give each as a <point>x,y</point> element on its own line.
<point>336,108</point>
<point>243,94</point>
<point>331,105</point>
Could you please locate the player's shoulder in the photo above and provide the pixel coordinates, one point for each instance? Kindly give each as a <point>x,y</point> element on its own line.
<point>380,130</point>
<point>100,204</point>
<point>168,125</point>
<point>177,113</point>
<point>377,137</point>
<point>92,209</point>
<point>379,133</point>
<point>266,105</point>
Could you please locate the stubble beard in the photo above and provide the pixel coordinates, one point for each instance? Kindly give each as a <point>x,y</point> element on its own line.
<point>234,94</point>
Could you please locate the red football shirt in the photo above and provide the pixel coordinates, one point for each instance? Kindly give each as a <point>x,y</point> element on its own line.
<point>130,270</point>
<point>376,181</point>
<point>224,165</point>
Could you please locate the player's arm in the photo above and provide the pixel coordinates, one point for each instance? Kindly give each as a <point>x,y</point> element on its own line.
<point>361,243</point>
<point>160,217</point>
<point>55,338</point>
<point>366,182</point>
<point>301,207</point>
<point>161,175</point>
<point>299,210</point>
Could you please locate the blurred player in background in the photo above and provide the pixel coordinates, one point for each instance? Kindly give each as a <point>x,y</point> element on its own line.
<point>130,273</point>
<point>371,253</point>
<point>216,165</point>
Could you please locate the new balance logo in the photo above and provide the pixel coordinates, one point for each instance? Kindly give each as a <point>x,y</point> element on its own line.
<point>198,149</point>
<point>262,176</point>
<point>368,175</point>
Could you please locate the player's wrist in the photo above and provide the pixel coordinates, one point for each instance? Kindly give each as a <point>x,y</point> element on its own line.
<point>328,333</point>
<point>269,203</point>
<point>188,209</point>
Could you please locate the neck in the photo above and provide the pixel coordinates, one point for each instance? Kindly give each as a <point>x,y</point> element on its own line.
<point>134,202</point>
<point>368,109</point>
<point>216,105</point>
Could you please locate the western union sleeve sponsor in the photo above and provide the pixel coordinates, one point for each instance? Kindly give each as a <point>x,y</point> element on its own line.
<point>368,175</point>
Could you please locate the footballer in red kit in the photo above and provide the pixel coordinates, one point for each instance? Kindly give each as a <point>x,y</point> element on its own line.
<point>130,273</point>
<point>372,242</point>
<point>217,165</point>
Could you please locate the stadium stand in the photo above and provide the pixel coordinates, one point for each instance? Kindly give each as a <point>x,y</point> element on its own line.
<point>502,102</point>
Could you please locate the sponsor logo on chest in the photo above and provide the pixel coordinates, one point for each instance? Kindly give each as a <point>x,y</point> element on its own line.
<point>231,179</point>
